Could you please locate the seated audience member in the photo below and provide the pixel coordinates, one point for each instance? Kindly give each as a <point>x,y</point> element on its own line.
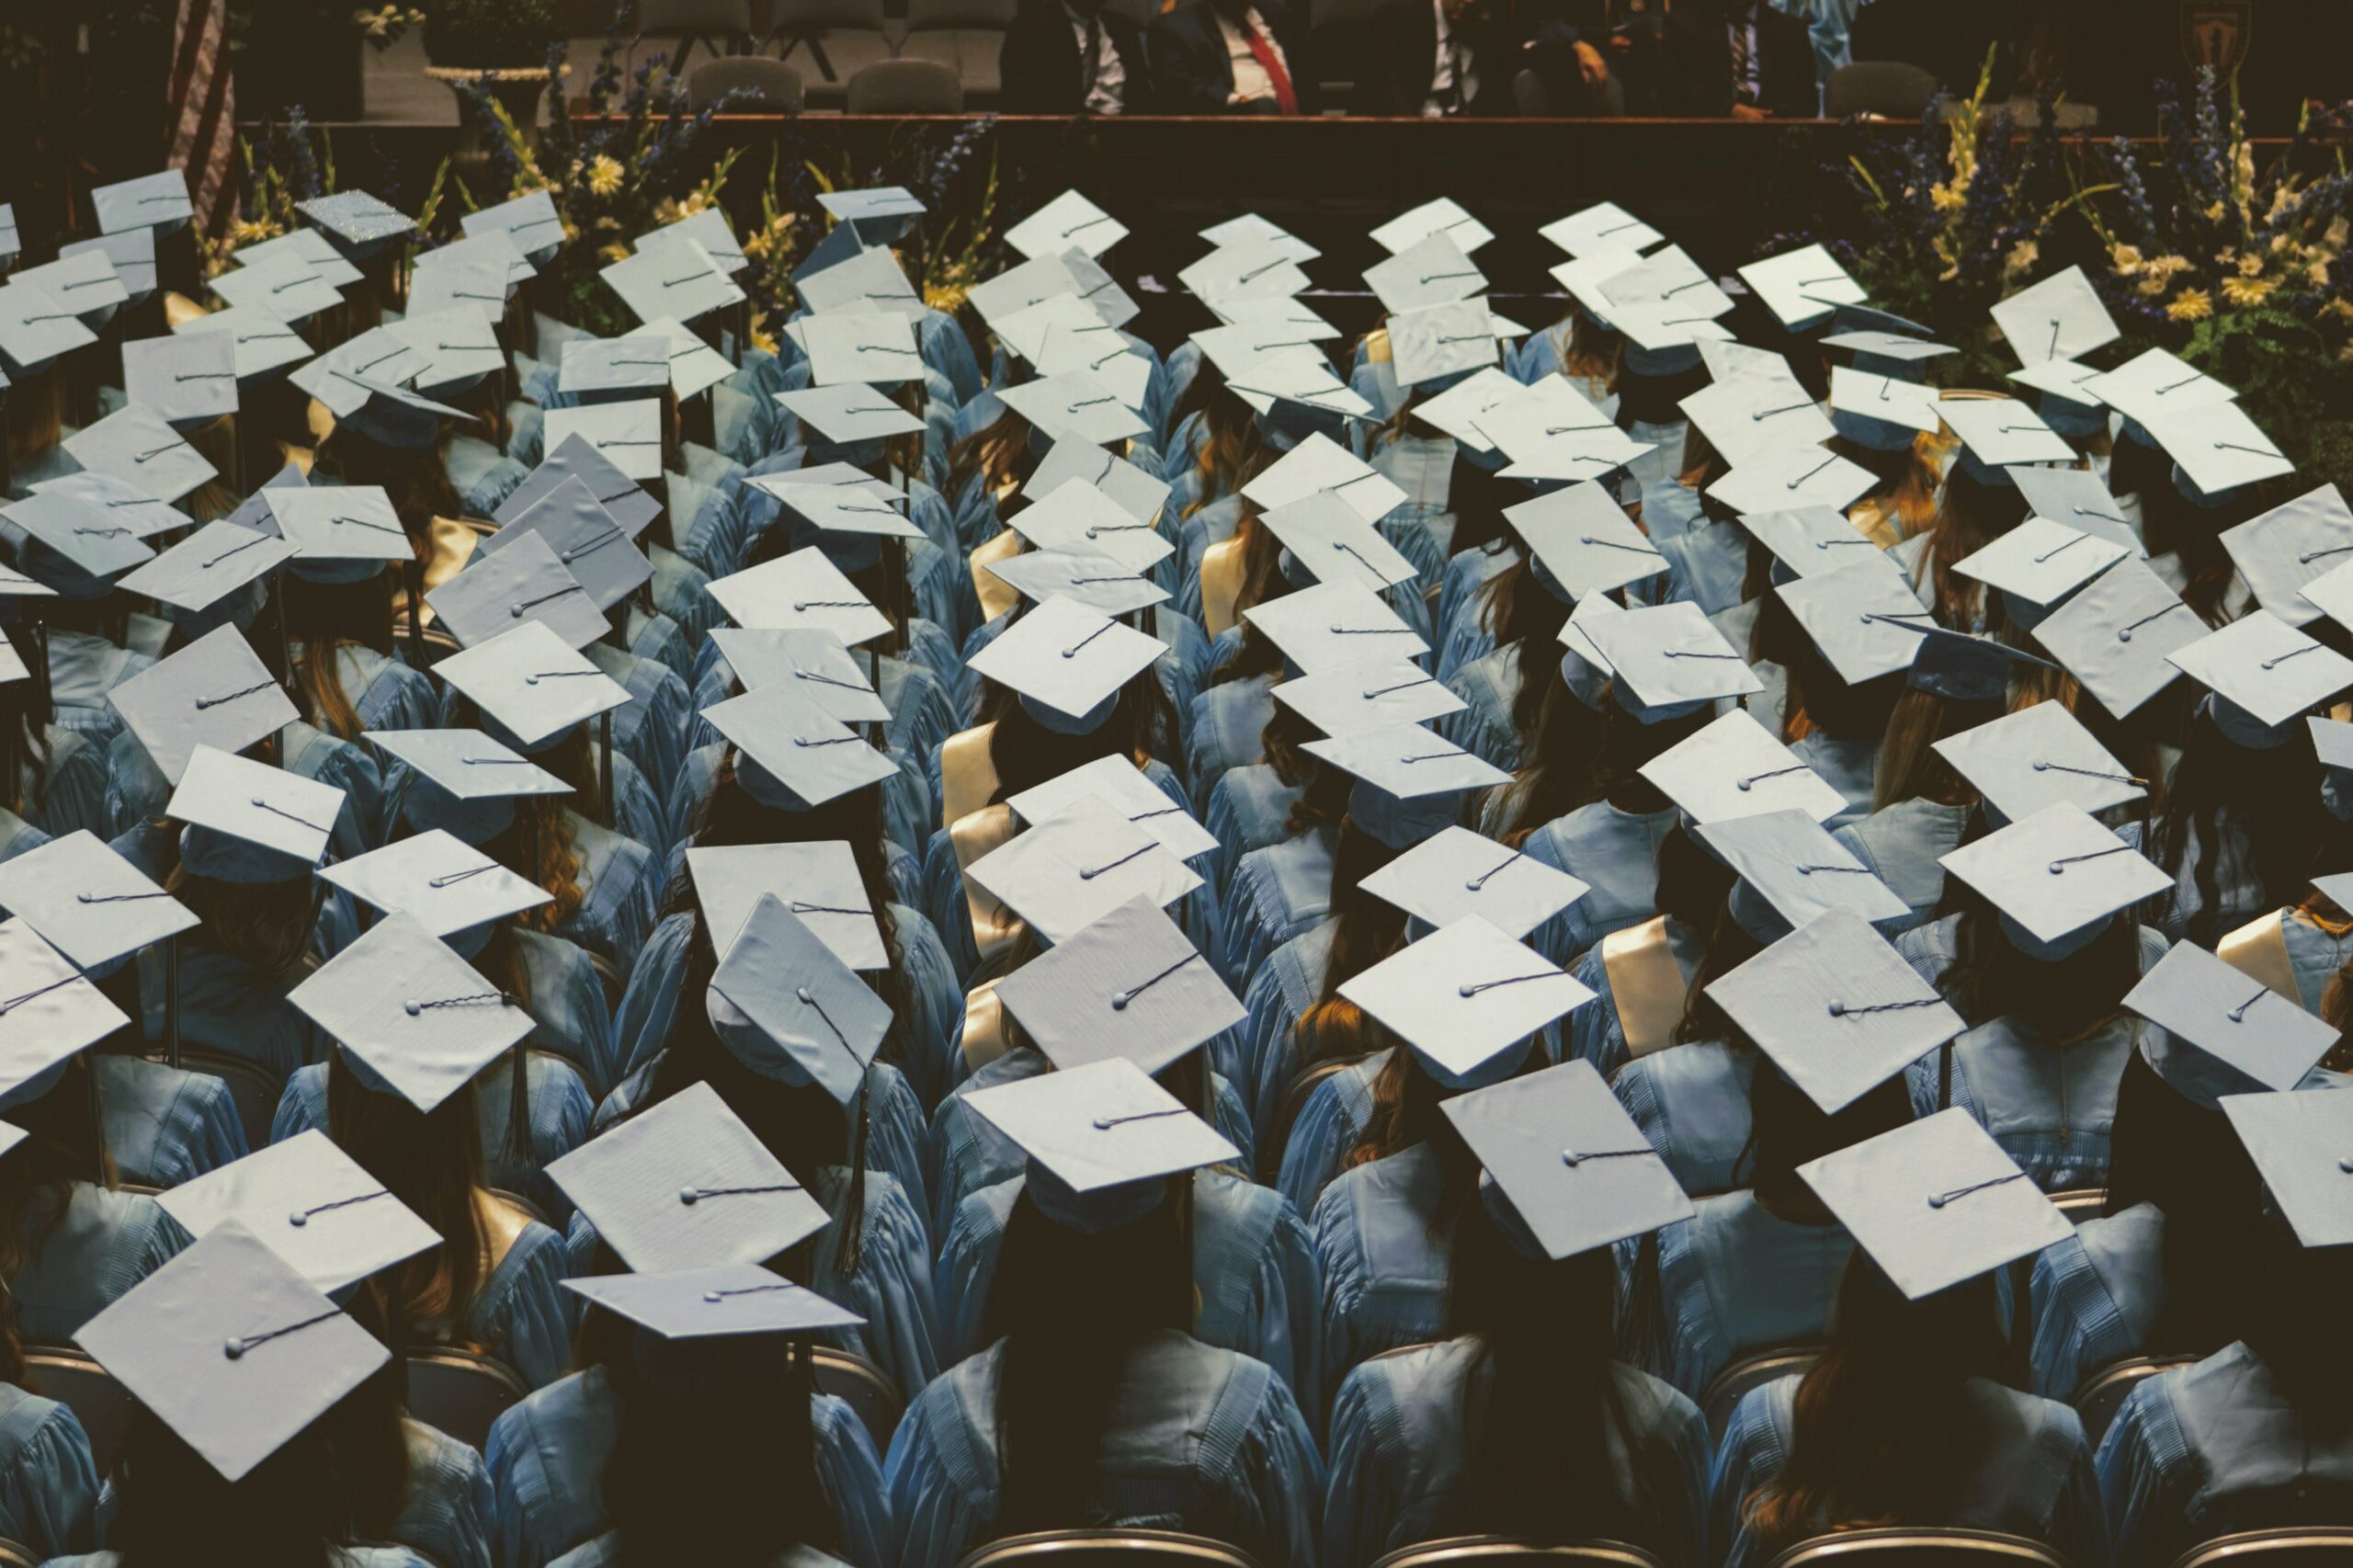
<point>1072,57</point>
<point>1230,57</point>
<point>1716,58</point>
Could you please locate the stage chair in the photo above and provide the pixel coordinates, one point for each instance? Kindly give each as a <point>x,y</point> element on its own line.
<point>2307,1546</point>
<point>865,1387</point>
<point>254,1089</point>
<point>461,1392</point>
<point>1109,1549</point>
<point>2080,1203</point>
<point>849,29</point>
<point>905,87</point>
<point>1723,1392</point>
<point>1906,1547</point>
<point>1891,87</point>
<point>2105,1392</point>
<point>15,1556</point>
<point>1504,1552</point>
<point>764,86</point>
<point>710,23</point>
<point>965,36</point>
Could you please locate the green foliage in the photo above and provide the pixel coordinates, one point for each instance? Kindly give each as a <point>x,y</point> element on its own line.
<point>490,34</point>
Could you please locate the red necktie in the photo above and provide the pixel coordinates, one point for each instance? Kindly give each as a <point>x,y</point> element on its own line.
<point>1285,101</point>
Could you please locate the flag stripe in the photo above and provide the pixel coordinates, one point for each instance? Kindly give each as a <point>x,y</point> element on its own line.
<point>200,110</point>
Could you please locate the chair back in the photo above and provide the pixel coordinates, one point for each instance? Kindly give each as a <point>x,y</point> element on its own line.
<point>1504,1552</point>
<point>462,1392</point>
<point>905,87</point>
<point>103,1407</point>
<point>1724,1390</point>
<point>1108,1549</point>
<point>723,27</point>
<point>254,1089</point>
<point>1891,87</point>
<point>865,1387</point>
<point>2105,1392</point>
<point>802,18</point>
<point>1529,96</point>
<point>15,1556</point>
<point>1286,1109</point>
<point>2081,1203</point>
<point>985,16</point>
<point>2306,1546</point>
<point>1908,1547</point>
<point>762,86</point>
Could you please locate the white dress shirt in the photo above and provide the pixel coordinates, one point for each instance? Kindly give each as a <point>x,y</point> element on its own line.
<point>1454,77</point>
<point>1108,91</point>
<point>1251,82</point>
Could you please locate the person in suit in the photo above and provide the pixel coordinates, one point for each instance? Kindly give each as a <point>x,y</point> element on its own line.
<point>1232,57</point>
<point>1442,58</point>
<point>1714,59</point>
<point>1073,57</point>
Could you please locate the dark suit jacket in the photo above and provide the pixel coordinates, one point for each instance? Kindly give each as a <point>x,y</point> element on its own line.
<point>1039,67</point>
<point>1403,57</point>
<point>1191,72</point>
<point>1692,75</point>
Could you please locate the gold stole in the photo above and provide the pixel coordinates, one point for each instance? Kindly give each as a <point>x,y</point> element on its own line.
<point>1376,345</point>
<point>997,596</point>
<point>1645,983</point>
<point>985,1037</point>
<point>2259,950</point>
<point>967,777</point>
<point>1875,523</point>
<point>1221,585</point>
<point>967,780</point>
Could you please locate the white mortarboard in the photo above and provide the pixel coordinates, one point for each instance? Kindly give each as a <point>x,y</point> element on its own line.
<point>2066,381</point>
<point>1074,405</point>
<point>695,366</point>
<point>230,1347</point>
<point>444,883</point>
<point>2002,431</point>
<point>628,435</point>
<point>285,286</point>
<point>1807,541</point>
<point>803,589</point>
<point>2332,594</point>
<point>707,1304</point>
<point>216,692</point>
<point>1107,355</point>
<point>1783,478</point>
<point>1603,227</point>
<point>2261,664</point>
<point>1130,986</point>
<point>142,203</point>
<point>1463,996</point>
<point>1099,583</point>
<point>816,662</point>
<point>1935,1202</point>
<point>1372,694</point>
<point>2038,756</point>
<point>1734,768</point>
<point>2154,383</point>
<point>1140,494</point>
<point>867,507</point>
<point>1325,535</point>
<point>35,327</point>
<point>1069,870</point>
<point>1669,282</point>
<point>1462,409</point>
<point>132,255</point>
<point>523,581</point>
<point>140,447</point>
<point>1458,873</point>
<point>122,502</point>
<point>1538,420</point>
<point>1033,330</point>
<point>678,282</point>
<point>1068,221</point>
<point>1017,289</point>
<point>346,376</point>
<point>415,1016</point>
<point>1573,1165</point>
<point>610,365</point>
<point>614,490</point>
<point>1102,1125</point>
<point>1068,657</point>
<point>845,415</point>
<point>819,883</point>
<point>1118,782</point>
<point>2231,1017</point>
<point>468,765</point>
<point>1583,537</point>
<point>2219,447</point>
<point>686,1183</point>
<point>311,1204</point>
<point>250,821</point>
<point>2056,872</point>
<point>1791,870</point>
<point>1434,270</point>
<point>1802,286</point>
<point>87,283</point>
<point>1749,412</point>
<point>312,246</point>
<point>1077,516</point>
<point>1321,466</point>
<point>798,744</point>
<point>585,539</point>
<point>47,1013</point>
<point>708,228</point>
<point>2059,318</point>
<point>1440,340</point>
<point>1589,452</point>
<point>868,280</point>
<point>1836,1008</point>
<point>1727,361</point>
<point>879,213</point>
<point>1300,376</point>
<point>1247,270</point>
<point>530,221</point>
<point>209,565</point>
<point>87,900</point>
<point>1332,624</point>
<point>2118,635</point>
<point>2076,498</point>
<point>2040,562</point>
<point>1444,215</point>
<point>787,1006</point>
<point>355,221</point>
<point>338,522</point>
<point>2298,1140</point>
<point>530,683</point>
<point>1251,226</point>
<point>1670,655</point>
<point>187,378</point>
<point>870,349</point>
<point>1869,395</point>
<point>2290,546</point>
<point>80,530</point>
<point>1407,762</point>
<point>472,289</point>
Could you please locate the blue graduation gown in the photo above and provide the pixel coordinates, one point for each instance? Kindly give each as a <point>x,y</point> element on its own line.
<point>48,1484</point>
<point>1848,766</point>
<point>547,1455</point>
<point>1467,571</point>
<point>1276,892</point>
<point>163,1125</point>
<point>1902,844</point>
<point>2094,1297</point>
<point>1691,1102</point>
<point>481,475</point>
<point>1399,1442</point>
<point>1489,685</point>
<point>2048,1106</point>
<point>620,879</point>
<point>1265,1054</point>
<point>1223,731</point>
<point>1617,853</point>
<point>82,670</point>
<point>1733,1279</point>
<point>1249,808</point>
<point>650,729</point>
<point>228,1006</point>
<point>104,1244</point>
<point>1197,1439</point>
<point>2215,1448</point>
<point>337,1557</point>
<point>1383,1241</point>
<point>449,1515</point>
<point>71,793</point>
<point>1331,1124</point>
<point>384,692</point>
<point>2030,1473</point>
<point>1254,1273</point>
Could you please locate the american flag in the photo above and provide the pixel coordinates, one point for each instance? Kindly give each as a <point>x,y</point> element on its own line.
<point>201,110</point>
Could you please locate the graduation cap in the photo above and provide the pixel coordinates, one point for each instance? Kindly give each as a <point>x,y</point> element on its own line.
<point>2299,1142</point>
<point>803,589</point>
<point>87,900</point>
<point>216,692</point>
<point>1670,660</point>
<point>358,224</point>
<point>1734,768</point>
<point>1373,694</point>
<point>1802,286</point>
<point>2059,318</point>
<point>864,349</point>
<point>311,1204</point>
<point>249,823</point>
<point>629,435</point>
<point>2231,1017</point>
<point>208,566</point>
<point>285,286</point>
<point>394,416</point>
<point>1457,872</point>
<point>49,1013</point>
<point>1130,986</point>
<point>1119,783</point>
<point>695,366</point>
<point>1077,516</point>
<point>87,284</point>
<point>530,222</point>
<point>2056,876</point>
<point>444,883</point>
<point>1570,1162</point>
<point>151,201</point>
<point>1073,406</point>
<point>1332,625</point>
<point>1068,221</point>
<point>1603,227</point>
<point>1935,1202</point>
<point>679,280</point>
<point>710,1303</point>
<point>1326,538</point>
<point>849,413</point>
<point>2068,403</point>
<point>881,214</point>
<point>819,882</point>
<point>2038,563</point>
<point>2154,383</point>
<point>2116,636</point>
<point>1433,270</point>
<point>1536,422</point>
<point>1444,215</point>
<point>94,544</point>
<point>414,1017</point>
<point>469,292</point>
<point>1790,870</point>
<point>2000,432</point>
<point>138,446</point>
<point>531,684</point>
<point>870,280</point>
<point>2286,548</point>
<point>1410,781</point>
<point>1068,663</point>
<point>791,1010</point>
<point>1247,269</point>
<point>1750,413</point>
<point>1251,226</point>
<point>188,379</point>
<point>230,1347</point>
<point>1100,1139</point>
<point>1438,341</point>
<point>1067,871</point>
<point>578,458</point>
<point>2038,756</point>
<point>816,664</point>
<point>685,1183</point>
<point>1885,412</point>
<point>705,227</point>
<point>342,533</point>
<point>35,327</point>
<point>585,539</point>
<point>1097,581</point>
<point>523,581</point>
<point>2218,447</point>
<point>1786,476</point>
<point>1807,541</point>
<point>1582,540</point>
<point>1836,1009</point>
<point>1464,997</point>
<point>2265,667</point>
<point>794,754</point>
<point>2075,498</point>
<point>1136,491</point>
<point>1863,617</point>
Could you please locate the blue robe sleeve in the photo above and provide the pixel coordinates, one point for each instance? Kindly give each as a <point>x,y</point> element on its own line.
<point>650,997</point>
<point>968,1260</point>
<point>448,1513</point>
<point>526,1318</point>
<point>850,1475</point>
<point>1282,1325</point>
<point>73,792</point>
<point>1749,1455</point>
<point>891,1287</point>
<point>1367,1486</point>
<point>49,1490</point>
<point>1319,1140</point>
<point>303,1104</point>
<point>2148,1478</point>
<point>1278,1474</point>
<point>2078,1524</point>
<point>940,1513</point>
<point>933,1032</point>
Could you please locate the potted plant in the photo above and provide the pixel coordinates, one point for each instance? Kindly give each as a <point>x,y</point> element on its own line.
<point>489,35</point>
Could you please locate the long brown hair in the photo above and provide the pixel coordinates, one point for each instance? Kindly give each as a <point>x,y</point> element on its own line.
<point>1365,930</point>
<point>416,482</point>
<point>1971,515</point>
<point>320,617</point>
<point>1232,452</point>
<point>61,1147</point>
<point>991,456</point>
<point>264,924</point>
<point>1909,768</point>
<point>432,1162</point>
<point>1905,483</point>
<point>26,713</point>
<point>1142,726</point>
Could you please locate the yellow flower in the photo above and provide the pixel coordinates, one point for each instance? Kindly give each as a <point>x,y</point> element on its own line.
<point>2337,232</point>
<point>613,252</point>
<point>2126,260</point>
<point>2150,287</point>
<point>756,247</point>
<point>604,176</point>
<point>1947,198</point>
<point>2247,290</point>
<point>2213,212</point>
<point>2250,266</point>
<point>2342,309</point>
<point>2190,304</point>
<point>2317,271</point>
<point>2022,257</point>
<point>763,336</point>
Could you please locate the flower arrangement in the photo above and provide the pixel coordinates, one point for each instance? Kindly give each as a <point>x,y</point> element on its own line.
<point>491,35</point>
<point>385,25</point>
